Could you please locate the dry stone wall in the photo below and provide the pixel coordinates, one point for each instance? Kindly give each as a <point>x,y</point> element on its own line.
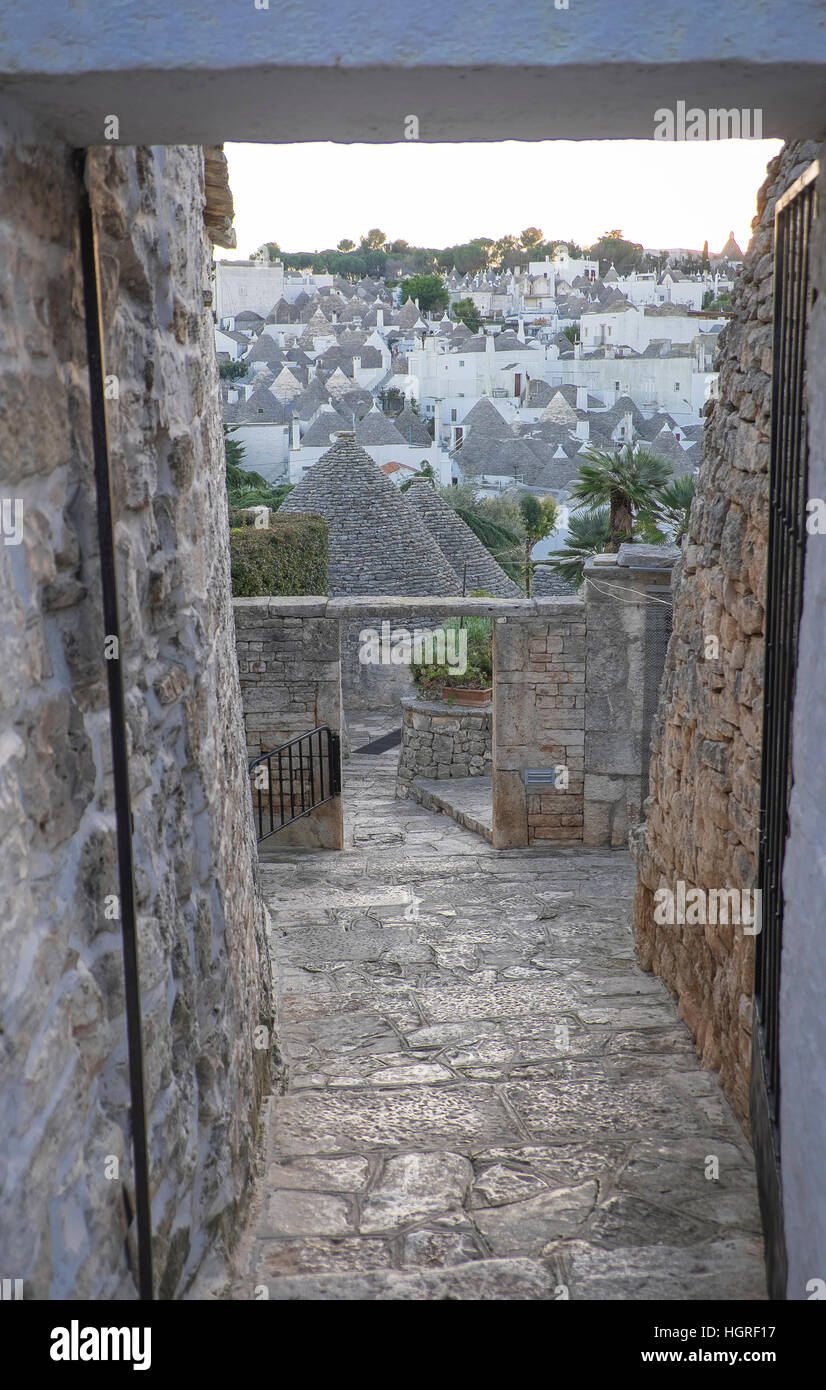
<point>441,740</point>
<point>66,1209</point>
<point>702,816</point>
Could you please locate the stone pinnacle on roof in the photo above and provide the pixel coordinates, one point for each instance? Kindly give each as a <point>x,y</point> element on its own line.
<point>377,542</point>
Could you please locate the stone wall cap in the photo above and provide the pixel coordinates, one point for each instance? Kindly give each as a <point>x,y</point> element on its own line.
<point>298,605</point>
<point>652,557</point>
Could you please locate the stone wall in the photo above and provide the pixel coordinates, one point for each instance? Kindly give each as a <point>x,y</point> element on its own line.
<point>626,621</point>
<point>539,722</point>
<point>66,1206</point>
<point>289,663</point>
<point>442,740</point>
<point>702,816</point>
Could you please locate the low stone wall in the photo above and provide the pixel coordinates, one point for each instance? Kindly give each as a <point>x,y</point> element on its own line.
<point>289,666</point>
<point>442,740</point>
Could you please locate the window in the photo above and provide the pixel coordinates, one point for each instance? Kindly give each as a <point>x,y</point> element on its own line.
<point>461,364</point>
<point>616,386</point>
<point>453,414</point>
<point>676,385</point>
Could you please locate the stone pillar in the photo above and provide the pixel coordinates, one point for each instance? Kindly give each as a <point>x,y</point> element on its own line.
<point>290,669</point>
<point>619,596</point>
<point>538,722</point>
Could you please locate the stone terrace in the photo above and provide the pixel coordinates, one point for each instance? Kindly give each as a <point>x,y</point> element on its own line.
<point>485,1097</point>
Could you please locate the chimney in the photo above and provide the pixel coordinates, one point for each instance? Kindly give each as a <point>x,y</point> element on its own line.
<point>583,430</point>
<point>232,395</point>
<point>582,398</point>
<point>437,421</point>
<point>380,318</point>
<point>577,350</point>
<point>628,426</point>
<point>296,444</point>
<point>489,344</point>
<point>356,367</point>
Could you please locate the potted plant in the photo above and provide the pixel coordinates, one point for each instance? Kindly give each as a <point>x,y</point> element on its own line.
<point>469,682</point>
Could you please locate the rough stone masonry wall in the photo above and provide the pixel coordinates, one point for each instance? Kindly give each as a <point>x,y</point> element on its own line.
<point>442,740</point>
<point>702,815</point>
<point>289,663</point>
<point>539,722</point>
<point>64,1098</point>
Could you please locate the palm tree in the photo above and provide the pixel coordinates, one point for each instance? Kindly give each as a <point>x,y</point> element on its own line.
<point>588,534</point>
<point>666,518</point>
<point>625,481</point>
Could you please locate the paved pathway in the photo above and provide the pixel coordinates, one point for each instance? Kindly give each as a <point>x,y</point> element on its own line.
<point>486,1098</point>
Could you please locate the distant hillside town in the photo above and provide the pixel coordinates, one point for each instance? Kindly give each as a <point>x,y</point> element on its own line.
<point>558,358</point>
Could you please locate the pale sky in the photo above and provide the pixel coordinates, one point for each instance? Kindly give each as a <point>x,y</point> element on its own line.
<point>308,197</point>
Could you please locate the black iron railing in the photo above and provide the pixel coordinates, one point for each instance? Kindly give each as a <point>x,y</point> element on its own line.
<point>294,779</point>
<point>784,601</point>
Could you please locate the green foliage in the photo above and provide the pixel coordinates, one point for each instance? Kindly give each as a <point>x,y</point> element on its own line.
<point>232,371</point>
<point>244,488</point>
<point>426,471</point>
<point>495,521</point>
<point>429,290</point>
<point>571,333</point>
<point>465,311</point>
<point>589,531</point>
<point>613,248</point>
<point>479,673</point>
<point>269,252</point>
<point>531,238</point>
<point>666,518</point>
<point>287,557</point>
<point>539,520</point>
<point>623,479</point>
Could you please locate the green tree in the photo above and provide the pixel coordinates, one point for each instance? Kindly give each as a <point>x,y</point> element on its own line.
<point>589,531</point>
<point>622,479</point>
<point>613,248</point>
<point>465,312</point>
<point>346,245</point>
<point>231,371</point>
<point>539,520</point>
<point>571,333</point>
<point>429,290</point>
<point>507,252</point>
<point>375,240</point>
<point>269,251</point>
<point>666,517</point>
<point>531,237</point>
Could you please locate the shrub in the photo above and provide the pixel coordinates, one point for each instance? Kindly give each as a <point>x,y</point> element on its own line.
<point>288,557</point>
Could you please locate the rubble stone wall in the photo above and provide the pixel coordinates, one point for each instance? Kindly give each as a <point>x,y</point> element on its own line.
<point>67,1186</point>
<point>442,740</point>
<point>701,823</point>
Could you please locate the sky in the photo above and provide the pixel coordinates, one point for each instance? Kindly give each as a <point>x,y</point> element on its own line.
<point>660,193</point>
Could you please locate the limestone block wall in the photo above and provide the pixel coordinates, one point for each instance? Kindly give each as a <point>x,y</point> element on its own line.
<point>290,673</point>
<point>539,721</point>
<point>624,611</point>
<point>702,816</point>
<point>441,740</point>
<point>66,1210</point>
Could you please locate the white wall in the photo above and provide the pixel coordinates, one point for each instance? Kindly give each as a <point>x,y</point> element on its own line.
<point>243,285</point>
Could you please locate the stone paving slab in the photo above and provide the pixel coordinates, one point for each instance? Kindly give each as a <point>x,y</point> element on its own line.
<point>485,1098</point>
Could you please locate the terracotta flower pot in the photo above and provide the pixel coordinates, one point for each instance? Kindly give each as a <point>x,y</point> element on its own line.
<point>465,695</point>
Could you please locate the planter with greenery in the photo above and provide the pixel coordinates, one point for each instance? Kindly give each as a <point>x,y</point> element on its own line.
<point>472,686</point>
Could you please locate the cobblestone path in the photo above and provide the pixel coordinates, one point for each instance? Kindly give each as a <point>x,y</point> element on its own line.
<point>486,1099</point>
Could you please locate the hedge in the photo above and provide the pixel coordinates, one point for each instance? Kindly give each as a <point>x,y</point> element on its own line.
<point>288,557</point>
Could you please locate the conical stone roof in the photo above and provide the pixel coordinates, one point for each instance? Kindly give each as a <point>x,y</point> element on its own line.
<point>378,544</point>
<point>459,545</point>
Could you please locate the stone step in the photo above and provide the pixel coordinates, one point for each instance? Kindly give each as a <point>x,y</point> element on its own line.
<point>467,800</point>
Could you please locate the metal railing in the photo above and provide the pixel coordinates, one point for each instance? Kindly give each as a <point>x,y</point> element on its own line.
<point>294,779</point>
